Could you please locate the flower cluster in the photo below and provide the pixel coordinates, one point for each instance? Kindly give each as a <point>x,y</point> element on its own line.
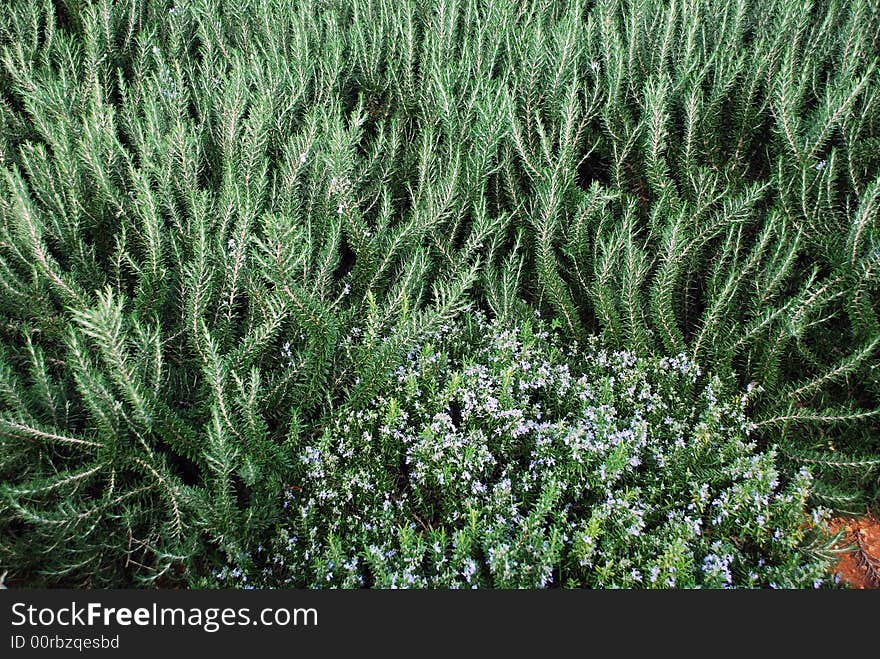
<point>498,458</point>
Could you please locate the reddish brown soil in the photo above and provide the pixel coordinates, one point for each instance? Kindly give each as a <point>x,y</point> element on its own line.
<point>859,564</point>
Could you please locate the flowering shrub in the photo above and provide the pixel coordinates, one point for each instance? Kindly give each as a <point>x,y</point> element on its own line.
<point>223,225</point>
<point>497,458</point>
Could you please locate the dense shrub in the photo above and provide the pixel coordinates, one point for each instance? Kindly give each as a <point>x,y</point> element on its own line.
<point>496,459</point>
<point>203,206</point>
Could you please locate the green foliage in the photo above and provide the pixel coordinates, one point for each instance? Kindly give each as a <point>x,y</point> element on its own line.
<point>193,235</point>
<point>710,195</point>
<point>223,224</point>
<point>496,458</point>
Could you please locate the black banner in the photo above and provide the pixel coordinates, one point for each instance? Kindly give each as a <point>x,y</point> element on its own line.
<point>133,622</point>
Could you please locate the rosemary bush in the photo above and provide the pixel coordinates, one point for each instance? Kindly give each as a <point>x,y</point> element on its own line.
<point>204,205</point>
<point>497,459</point>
